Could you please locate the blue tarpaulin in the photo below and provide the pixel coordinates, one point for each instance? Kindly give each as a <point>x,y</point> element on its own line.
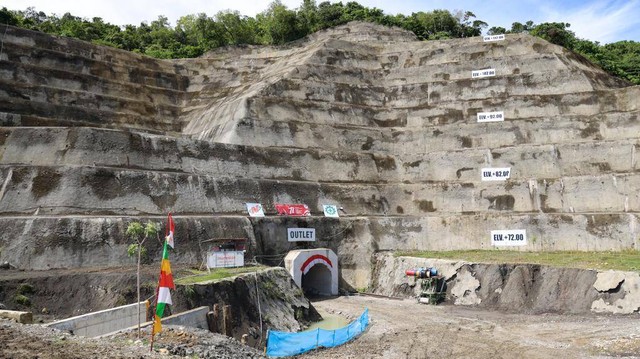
<point>282,344</point>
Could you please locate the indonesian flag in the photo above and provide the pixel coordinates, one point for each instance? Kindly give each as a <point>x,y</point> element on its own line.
<point>171,228</point>
<point>163,295</point>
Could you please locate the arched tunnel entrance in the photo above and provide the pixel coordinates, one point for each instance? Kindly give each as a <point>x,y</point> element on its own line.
<point>314,270</point>
<point>317,281</point>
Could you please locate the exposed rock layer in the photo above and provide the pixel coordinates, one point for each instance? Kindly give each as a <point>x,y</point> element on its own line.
<point>361,116</point>
<point>522,288</point>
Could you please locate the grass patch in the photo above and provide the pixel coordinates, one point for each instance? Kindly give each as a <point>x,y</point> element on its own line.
<point>23,300</point>
<point>627,260</point>
<point>25,288</point>
<point>216,274</point>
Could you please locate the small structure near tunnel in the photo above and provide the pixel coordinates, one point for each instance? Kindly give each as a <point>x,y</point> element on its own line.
<point>314,270</point>
<point>226,252</point>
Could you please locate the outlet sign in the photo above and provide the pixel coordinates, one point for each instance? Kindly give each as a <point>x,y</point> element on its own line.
<point>495,174</point>
<point>509,237</point>
<point>476,74</point>
<point>490,116</point>
<point>301,234</point>
<point>493,38</point>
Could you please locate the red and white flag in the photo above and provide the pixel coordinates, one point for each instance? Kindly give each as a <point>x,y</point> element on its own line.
<point>171,228</point>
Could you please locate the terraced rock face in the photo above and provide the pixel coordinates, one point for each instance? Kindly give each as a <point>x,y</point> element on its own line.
<point>361,116</point>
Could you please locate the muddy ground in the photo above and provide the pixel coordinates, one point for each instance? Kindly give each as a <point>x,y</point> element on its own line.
<point>406,329</point>
<point>399,329</point>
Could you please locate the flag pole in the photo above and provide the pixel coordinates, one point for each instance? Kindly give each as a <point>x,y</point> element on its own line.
<point>152,336</point>
<point>153,322</point>
<point>164,247</point>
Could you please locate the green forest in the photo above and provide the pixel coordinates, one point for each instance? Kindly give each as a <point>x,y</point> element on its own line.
<point>195,34</point>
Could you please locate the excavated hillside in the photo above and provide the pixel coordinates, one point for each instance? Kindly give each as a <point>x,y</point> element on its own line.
<point>362,116</point>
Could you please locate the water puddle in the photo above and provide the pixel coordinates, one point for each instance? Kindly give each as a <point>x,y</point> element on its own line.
<point>329,322</point>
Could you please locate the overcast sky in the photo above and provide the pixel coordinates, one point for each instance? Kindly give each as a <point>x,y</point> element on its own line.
<point>604,21</point>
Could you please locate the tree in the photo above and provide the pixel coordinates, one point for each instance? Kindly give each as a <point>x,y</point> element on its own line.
<point>9,17</point>
<point>556,33</point>
<point>469,27</point>
<point>517,27</point>
<point>437,24</point>
<point>31,18</point>
<point>626,54</point>
<point>279,24</point>
<point>195,34</point>
<point>139,234</point>
<point>308,20</point>
<point>497,30</point>
<point>235,28</point>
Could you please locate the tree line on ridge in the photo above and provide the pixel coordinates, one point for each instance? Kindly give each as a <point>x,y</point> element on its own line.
<point>193,35</point>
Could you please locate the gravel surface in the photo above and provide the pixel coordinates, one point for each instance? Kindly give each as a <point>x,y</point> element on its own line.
<point>406,329</point>
<point>36,341</point>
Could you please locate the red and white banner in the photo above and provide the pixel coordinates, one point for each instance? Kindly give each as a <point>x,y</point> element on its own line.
<point>297,210</point>
<point>225,259</point>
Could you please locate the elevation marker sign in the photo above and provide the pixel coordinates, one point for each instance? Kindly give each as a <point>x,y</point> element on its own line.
<point>493,38</point>
<point>495,174</point>
<point>497,116</point>
<point>509,237</point>
<point>476,74</point>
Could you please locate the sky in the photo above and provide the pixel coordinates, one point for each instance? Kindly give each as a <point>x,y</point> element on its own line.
<point>597,20</point>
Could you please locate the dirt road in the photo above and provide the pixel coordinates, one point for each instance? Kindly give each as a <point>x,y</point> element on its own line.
<point>406,329</point>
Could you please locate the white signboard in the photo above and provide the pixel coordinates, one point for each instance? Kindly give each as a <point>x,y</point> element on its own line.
<point>495,174</point>
<point>330,210</point>
<point>255,210</point>
<point>509,237</point>
<point>493,38</point>
<point>301,234</point>
<point>490,116</point>
<point>225,259</point>
<point>476,74</point>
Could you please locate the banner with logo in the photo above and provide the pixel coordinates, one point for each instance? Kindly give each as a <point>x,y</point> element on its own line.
<point>255,210</point>
<point>225,259</point>
<point>330,210</point>
<point>296,210</point>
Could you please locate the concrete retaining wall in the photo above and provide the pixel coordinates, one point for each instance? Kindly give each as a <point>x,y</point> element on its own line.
<point>102,322</point>
<point>194,318</point>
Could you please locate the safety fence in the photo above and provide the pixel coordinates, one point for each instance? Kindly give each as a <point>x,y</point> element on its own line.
<point>282,344</point>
